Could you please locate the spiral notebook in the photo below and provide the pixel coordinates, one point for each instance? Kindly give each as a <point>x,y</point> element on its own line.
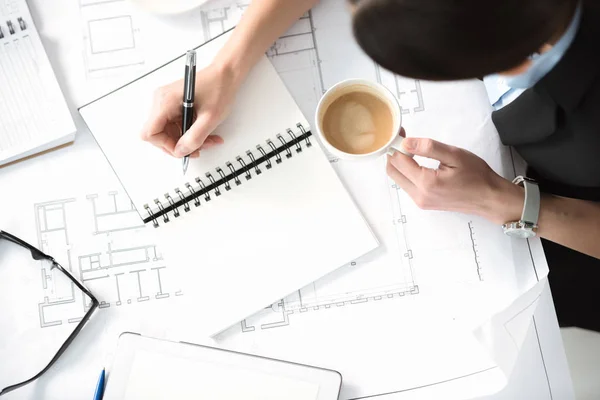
<point>254,219</point>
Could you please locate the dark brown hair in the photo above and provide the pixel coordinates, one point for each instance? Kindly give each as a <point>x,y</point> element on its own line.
<point>455,39</point>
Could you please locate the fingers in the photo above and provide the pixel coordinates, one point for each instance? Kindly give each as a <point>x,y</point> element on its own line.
<point>163,141</point>
<point>212,141</point>
<point>163,128</point>
<point>407,166</point>
<point>419,187</point>
<point>402,181</point>
<point>157,122</point>
<point>155,132</point>
<point>430,148</point>
<point>159,129</point>
<point>195,137</point>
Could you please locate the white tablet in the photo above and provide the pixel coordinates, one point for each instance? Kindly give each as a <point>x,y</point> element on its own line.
<point>148,368</point>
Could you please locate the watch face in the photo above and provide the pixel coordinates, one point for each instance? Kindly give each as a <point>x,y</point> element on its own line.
<point>520,233</point>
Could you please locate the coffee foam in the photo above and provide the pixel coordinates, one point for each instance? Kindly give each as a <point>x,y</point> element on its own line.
<point>357,121</point>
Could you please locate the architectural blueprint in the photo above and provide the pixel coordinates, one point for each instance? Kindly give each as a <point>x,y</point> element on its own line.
<point>306,61</point>
<point>422,253</point>
<point>111,38</point>
<point>101,240</point>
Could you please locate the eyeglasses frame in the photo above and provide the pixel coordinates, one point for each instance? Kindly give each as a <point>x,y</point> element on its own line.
<point>39,255</point>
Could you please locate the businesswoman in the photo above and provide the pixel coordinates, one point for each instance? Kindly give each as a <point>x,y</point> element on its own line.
<point>540,64</point>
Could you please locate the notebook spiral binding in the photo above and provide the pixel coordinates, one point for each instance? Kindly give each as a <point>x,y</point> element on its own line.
<point>213,182</point>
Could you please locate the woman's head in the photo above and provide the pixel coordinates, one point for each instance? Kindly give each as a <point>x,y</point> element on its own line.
<point>456,39</point>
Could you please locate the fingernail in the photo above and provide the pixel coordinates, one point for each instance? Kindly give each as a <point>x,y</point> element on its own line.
<point>181,150</point>
<point>409,143</point>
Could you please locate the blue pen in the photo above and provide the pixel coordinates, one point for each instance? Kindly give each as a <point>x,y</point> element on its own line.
<point>100,387</point>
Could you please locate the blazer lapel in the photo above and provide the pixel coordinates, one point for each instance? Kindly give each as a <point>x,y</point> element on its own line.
<point>529,119</point>
<point>569,81</point>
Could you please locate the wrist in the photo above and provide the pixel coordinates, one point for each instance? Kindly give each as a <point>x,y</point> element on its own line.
<point>230,69</point>
<point>505,203</point>
<point>236,60</point>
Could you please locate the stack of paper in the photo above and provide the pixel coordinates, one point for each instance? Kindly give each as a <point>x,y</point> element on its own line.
<point>33,113</point>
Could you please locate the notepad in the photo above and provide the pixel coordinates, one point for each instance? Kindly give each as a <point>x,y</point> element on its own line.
<point>254,219</point>
<point>33,113</point>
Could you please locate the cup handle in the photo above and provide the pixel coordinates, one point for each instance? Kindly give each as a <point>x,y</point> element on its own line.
<point>397,146</point>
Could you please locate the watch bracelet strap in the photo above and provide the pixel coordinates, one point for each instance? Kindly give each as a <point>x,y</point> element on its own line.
<point>531,206</point>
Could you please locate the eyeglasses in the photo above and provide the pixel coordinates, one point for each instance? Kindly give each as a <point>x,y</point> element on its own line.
<point>38,255</point>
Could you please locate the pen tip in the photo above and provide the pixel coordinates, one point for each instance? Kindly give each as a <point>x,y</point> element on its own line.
<point>186,162</point>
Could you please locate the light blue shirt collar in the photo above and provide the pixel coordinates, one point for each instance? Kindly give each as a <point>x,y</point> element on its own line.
<point>541,64</point>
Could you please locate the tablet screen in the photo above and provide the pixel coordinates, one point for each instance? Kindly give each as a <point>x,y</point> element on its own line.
<point>153,369</point>
<point>183,378</point>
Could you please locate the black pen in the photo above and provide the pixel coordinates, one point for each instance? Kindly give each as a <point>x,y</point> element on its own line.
<point>188,98</point>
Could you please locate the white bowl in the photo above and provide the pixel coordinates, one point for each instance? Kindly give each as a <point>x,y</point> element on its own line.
<point>168,6</point>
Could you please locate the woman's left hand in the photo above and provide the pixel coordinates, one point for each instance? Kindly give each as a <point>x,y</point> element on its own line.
<point>462,183</point>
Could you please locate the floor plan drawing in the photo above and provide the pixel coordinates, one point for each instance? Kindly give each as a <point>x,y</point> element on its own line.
<point>102,241</point>
<point>62,302</point>
<point>119,214</point>
<point>217,20</point>
<point>111,37</point>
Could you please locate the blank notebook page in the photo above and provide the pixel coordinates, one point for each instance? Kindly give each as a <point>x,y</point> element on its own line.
<point>243,248</point>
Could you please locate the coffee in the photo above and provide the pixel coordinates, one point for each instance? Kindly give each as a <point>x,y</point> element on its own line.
<point>358,122</point>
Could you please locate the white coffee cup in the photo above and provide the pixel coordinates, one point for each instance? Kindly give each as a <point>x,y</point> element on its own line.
<point>376,89</point>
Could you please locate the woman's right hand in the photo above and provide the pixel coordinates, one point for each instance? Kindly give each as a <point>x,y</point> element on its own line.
<point>216,85</point>
<point>216,88</point>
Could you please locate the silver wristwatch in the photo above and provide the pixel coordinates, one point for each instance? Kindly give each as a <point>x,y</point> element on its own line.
<point>526,226</point>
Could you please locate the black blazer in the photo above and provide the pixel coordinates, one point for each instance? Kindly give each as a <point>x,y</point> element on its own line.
<point>555,127</point>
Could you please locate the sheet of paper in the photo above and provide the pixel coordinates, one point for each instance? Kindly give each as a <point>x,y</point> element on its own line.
<point>505,332</point>
<point>371,317</point>
<point>33,111</point>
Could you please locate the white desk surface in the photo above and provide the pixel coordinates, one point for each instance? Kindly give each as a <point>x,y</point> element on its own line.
<point>542,370</point>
